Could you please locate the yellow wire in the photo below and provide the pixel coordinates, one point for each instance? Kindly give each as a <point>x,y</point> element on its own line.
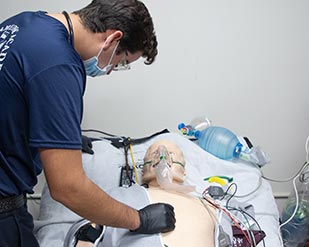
<point>134,164</point>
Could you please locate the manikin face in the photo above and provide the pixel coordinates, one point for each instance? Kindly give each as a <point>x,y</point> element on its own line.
<point>175,160</point>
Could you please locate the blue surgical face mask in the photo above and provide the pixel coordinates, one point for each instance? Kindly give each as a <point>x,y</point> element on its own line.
<point>91,65</point>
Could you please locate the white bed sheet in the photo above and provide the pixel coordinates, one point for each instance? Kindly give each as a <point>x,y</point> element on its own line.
<point>104,169</point>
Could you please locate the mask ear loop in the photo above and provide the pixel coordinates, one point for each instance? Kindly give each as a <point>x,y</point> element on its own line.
<point>110,60</point>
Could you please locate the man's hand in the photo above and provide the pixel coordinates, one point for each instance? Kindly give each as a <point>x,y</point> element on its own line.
<point>155,218</point>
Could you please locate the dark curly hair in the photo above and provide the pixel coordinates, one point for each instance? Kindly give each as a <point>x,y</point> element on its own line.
<point>129,16</point>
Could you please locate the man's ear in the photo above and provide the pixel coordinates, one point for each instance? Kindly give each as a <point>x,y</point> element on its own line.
<point>112,38</point>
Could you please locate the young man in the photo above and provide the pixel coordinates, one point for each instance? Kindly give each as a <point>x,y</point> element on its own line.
<point>44,60</point>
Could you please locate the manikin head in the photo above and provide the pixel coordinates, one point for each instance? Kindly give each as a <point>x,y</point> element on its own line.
<point>174,159</point>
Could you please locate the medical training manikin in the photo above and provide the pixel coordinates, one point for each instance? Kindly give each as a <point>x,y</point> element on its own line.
<point>194,221</point>
<point>198,222</point>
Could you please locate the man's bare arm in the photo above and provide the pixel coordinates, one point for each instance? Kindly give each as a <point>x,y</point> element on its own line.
<point>69,185</point>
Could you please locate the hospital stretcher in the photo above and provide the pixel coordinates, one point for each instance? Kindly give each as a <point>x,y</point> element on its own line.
<point>104,168</point>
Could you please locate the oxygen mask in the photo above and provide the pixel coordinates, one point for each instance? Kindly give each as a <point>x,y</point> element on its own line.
<point>166,176</point>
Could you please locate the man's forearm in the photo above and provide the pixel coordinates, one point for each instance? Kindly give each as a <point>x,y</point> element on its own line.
<point>69,185</point>
<point>92,203</point>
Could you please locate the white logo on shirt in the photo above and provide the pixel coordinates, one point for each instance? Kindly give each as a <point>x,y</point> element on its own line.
<point>7,37</point>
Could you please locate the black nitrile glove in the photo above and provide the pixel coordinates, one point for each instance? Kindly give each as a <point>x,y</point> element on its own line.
<point>156,218</point>
<point>87,145</point>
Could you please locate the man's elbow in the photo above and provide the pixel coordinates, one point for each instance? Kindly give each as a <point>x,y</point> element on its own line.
<point>64,192</point>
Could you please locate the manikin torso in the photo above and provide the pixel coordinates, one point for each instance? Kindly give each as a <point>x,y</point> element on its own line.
<point>194,221</point>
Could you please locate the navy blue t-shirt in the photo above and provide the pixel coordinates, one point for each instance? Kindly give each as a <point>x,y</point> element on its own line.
<point>42,82</point>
